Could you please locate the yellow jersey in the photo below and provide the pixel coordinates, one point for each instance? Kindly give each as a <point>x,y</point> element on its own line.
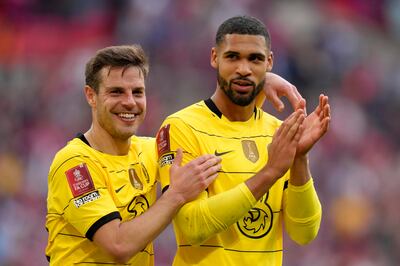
<point>88,188</point>
<point>254,239</point>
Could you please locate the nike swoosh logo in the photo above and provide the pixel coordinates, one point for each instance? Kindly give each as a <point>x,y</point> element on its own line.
<point>221,153</point>
<point>119,189</point>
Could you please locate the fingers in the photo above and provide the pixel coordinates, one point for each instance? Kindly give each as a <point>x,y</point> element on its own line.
<point>276,102</point>
<point>178,157</point>
<point>210,179</point>
<point>290,126</point>
<point>323,109</point>
<point>204,165</point>
<point>212,170</point>
<point>290,119</point>
<point>294,97</point>
<point>298,134</point>
<point>275,87</point>
<point>302,105</point>
<point>287,90</point>
<point>294,128</point>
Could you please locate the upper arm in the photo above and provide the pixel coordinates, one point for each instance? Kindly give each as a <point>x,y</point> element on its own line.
<point>78,192</point>
<point>174,134</point>
<point>105,236</point>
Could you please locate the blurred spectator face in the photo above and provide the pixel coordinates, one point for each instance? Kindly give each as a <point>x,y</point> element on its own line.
<point>241,62</point>
<point>120,105</point>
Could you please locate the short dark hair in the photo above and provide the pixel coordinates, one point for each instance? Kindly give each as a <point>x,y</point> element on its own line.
<point>115,56</point>
<point>242,25</point>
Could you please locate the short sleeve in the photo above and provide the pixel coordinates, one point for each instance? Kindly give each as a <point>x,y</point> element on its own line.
<point>78,192</point>
<point>174,134</point>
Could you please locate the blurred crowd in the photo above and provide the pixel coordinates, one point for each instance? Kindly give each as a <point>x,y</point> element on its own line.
<point>347,49</point>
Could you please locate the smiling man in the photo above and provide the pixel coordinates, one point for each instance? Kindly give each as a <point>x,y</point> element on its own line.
<point>264,181</point>
<point>101,204</point>
<point>102,207</point>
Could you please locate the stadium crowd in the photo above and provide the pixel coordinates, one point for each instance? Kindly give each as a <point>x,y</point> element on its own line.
<point>347,49</point>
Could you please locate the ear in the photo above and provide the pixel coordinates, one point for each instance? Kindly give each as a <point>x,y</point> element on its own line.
<point>213,58</point>
<point>90,94</point>
<point>270,61</point>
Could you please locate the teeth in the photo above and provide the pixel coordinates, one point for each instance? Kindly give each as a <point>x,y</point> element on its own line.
<point>126,115</point>
<point>241,83</point>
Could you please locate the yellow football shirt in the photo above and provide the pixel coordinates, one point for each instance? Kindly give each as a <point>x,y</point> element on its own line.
<point>256,238</point>
<point>88,188</point>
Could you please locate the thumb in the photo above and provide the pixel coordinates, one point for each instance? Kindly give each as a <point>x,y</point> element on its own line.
<point>178,157</point>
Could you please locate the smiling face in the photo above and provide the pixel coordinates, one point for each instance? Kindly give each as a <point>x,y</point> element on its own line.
<point>241,61</point>
<point>119,107</point>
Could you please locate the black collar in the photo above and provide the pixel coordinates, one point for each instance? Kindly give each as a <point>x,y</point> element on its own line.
<point>83,138</point>
<point>211,105</point>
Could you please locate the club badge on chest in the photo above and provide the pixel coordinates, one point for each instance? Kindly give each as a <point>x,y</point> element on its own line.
<point>135,180</point>
<point>250,150</point>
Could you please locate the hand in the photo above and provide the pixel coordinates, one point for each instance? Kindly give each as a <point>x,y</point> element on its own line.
<point>274,88</point>
<point>282,149</point>
<point>315,126</point>
<point>194,177</point>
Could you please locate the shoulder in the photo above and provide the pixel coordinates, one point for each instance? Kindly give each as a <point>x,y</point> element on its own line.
<point>143,141</point>
<point>74,148</point>
<point>189,113</point>
<point>144,146</point>
<point>74,153</point>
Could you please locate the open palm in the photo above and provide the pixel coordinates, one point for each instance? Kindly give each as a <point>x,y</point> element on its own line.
<point>315,126</point>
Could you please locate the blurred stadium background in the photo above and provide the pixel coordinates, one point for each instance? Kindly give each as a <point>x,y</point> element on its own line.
<point>348,49</point>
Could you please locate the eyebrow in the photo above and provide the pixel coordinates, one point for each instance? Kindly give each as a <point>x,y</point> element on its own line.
<point>263,56</point>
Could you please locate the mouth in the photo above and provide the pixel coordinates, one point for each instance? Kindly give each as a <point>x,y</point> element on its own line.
<point>127,117</point>
<point>242,86</point>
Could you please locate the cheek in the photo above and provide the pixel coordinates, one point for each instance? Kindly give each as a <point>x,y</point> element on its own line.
<point>227,71</point>
<point>142,103</point>
<point>260,73</point>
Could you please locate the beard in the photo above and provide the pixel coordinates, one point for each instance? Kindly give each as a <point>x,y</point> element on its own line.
<point>235,97</point>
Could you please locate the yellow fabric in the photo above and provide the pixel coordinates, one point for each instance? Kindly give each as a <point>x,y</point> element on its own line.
<point>69,219</point>
<point>256,237</point>
<point>196,214</point>
<point>303,213</point>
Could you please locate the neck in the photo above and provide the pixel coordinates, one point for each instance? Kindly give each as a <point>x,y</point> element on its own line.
<point>230,110</point>
<point>102,141</point>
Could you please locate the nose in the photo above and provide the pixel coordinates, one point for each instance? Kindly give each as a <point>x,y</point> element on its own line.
<point>243,68</point>
<point>129,101</point>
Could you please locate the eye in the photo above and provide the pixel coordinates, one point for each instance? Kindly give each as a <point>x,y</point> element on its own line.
<point>232,56</point>
<point>256,58</point>
<point>116,91</point>
<point>138,92</point>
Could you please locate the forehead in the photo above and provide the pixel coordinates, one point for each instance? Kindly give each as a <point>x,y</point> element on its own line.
<point>243,43</point>
<point>122,76</point>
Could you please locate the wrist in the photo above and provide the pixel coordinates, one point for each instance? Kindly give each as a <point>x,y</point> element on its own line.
<point>300,158</point>
<point>300,171</point>
<point>174,198</point>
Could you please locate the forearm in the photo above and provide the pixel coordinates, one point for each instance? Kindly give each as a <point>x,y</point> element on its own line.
<point>123,240</point>
<point>200,219</point>
<point>302,209</point>
<point>300,171</point>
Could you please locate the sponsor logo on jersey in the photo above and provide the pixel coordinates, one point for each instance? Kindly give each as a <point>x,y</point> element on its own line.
<point>119,189</point>
<point>79,180</point>
<point>221,153</point>
<point>258,221</point>
<point>138,205</point>
<point>166,159</point>
<point>250,150</point>
<point>163,144</point>
<point>87,198</point>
